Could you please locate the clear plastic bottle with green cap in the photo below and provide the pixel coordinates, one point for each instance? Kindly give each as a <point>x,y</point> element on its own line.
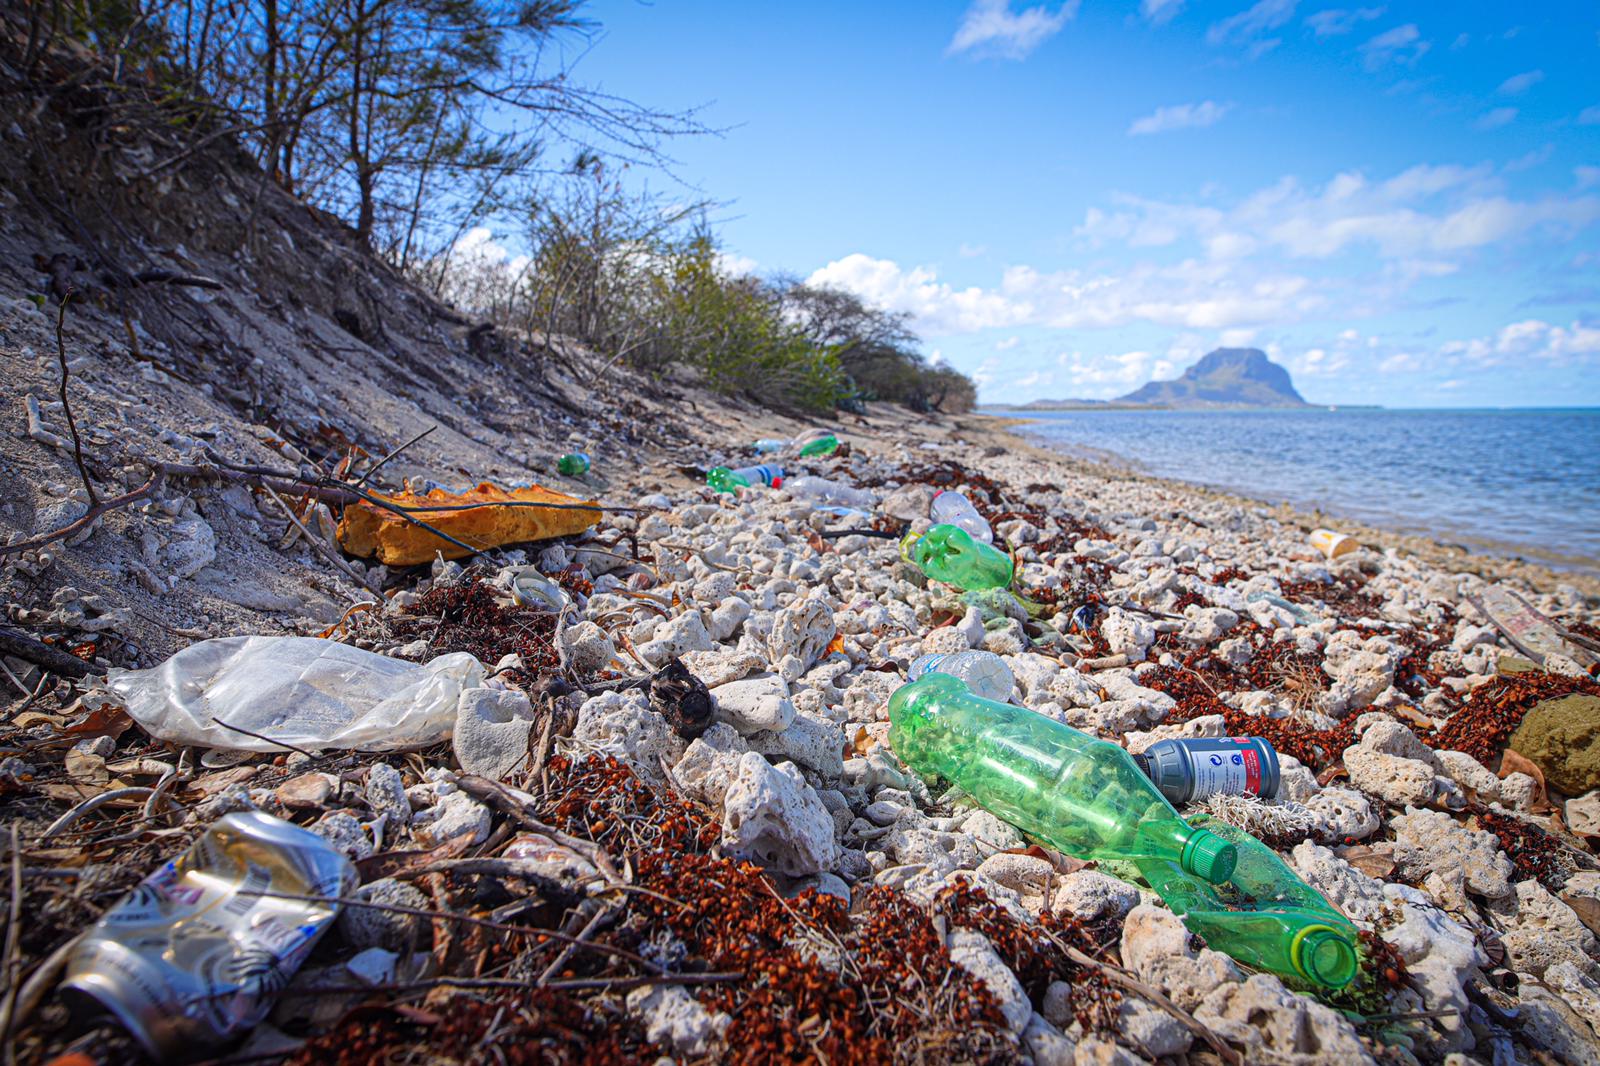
<point>724,480</point>
<point>1080,795</point>
<point>1265,916</point>
<point>573,464</point>
<point>950,554</point>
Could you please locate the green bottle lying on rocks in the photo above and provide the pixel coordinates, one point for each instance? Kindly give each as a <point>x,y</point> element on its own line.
<point>950,554</point>
<point>1080,795</point>
<point>1265,916</point>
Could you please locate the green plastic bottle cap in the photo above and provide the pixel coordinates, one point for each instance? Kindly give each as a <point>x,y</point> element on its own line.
<point>1209,857</point>
<point>1324,956</point>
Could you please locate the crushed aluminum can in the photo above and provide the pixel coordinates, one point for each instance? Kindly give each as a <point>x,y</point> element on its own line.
<point>196,954</point>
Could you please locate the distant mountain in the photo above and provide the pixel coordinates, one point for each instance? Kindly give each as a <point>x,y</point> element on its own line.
<point>1227,377</point>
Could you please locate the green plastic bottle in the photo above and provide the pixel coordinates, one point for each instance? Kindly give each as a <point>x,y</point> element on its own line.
<point>724,480</point>
<point>1265,916</point>
<point>825,445</point>
<point>1080,795</point>
<point>575,464</point>
<point>951,555</point>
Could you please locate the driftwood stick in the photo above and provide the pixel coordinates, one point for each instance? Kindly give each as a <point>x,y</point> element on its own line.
<point>66,404</point>
<point>88,519</point>
<point>41,654</point>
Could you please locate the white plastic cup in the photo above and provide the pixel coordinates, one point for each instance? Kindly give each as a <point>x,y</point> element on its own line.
<point>1332,543</point>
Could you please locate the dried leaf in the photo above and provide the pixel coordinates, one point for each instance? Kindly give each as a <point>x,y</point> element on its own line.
<point>1332,773</point>
<point>1587,908</point>
<point>87,768</point>
<point>1064,864</point>
<point>32,718</point>
<point>1369,861</point>
<point>836,645</point>
<point>818,545</point>
<point>399,863</point>
<point>77,791</point>
<point>1512,762</point>
<point>107,720</point>
<point>217,780</point>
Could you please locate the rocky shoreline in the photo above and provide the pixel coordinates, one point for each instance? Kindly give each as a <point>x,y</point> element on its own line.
<point>705,722</point>
<point>1490,560</point>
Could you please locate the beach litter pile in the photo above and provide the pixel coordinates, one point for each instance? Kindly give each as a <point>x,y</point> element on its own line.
<point>896,758</point>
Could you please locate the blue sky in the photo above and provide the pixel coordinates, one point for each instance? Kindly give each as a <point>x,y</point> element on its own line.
<point>1399,202</point>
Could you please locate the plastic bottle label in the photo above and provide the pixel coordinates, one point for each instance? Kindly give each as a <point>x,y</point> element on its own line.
<point>1236,773</point>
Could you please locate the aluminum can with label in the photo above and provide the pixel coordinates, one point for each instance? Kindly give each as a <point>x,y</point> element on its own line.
<point>1194,768</point>
<point>196,954</point>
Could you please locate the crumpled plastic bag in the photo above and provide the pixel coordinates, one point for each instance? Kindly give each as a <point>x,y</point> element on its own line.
<point>300,691</point>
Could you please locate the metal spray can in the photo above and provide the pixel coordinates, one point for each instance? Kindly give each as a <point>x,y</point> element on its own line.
<point>196,954</point>
<point>1192,769</point>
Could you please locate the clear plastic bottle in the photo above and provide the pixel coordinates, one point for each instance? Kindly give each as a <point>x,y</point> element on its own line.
<point>954,509</point>
<point>770,445</point>
<point>1265,916</point>
<point>821,490</point>
<point>724,480</point>
<point>985,674</point>
<point>1193,768</point>
<point>949,554</point>
<point>574,464</point>
<point>819,442</point>
<point>1080,795</point>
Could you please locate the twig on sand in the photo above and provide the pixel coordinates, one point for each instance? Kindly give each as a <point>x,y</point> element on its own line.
<point>93,803</point>
<point>466,919</point>
<point>258,736</point>
<point>89,518</point>
<point>66,405</point>
<point>1118,976</point>
<point>362,480</point>
<point>319,547</point>
<point>13,955</point>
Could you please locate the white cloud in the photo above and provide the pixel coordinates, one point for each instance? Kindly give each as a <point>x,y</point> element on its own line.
<point>1589,116</point>
<point>1286,253</point>
<point>1422,214</point>
<point>971,251</point>
<point>1104,376</point>
<point>1250,27</point>
<point>1586,177</point>
<point>736,265</point>
<point>1180,117</point>
<point>477,250</point>
<point>1336,21</point>
<point>1500,116</point>
<point>1461,41</point>
<point>991,28</point>
<point>1238,338</point>
<point>1531,340</point>
<point>1403,44</point>
<point>1518,84</point>
<point>1530,160</point>
<point>1007,344</point>
<point>918,290</point>
<point>1160,12</point>
<point>1194,294</point>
